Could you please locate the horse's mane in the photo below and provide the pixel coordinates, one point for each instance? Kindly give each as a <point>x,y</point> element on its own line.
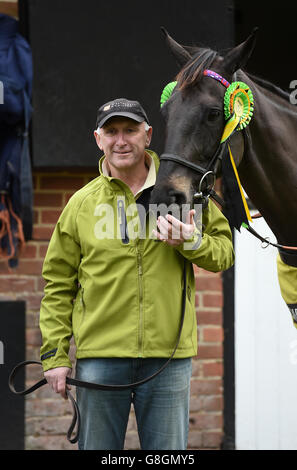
<point>269,86</point>
<point>203,58</point>
<point>191,73</point>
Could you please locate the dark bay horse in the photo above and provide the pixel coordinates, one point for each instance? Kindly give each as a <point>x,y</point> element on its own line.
<point>265,154</point>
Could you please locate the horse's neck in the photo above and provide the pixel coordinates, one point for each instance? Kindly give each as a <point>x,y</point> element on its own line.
<point>268,170</point>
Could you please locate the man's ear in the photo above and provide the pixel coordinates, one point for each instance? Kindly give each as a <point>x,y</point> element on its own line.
<point>148,136</point>
<point>98,140</point>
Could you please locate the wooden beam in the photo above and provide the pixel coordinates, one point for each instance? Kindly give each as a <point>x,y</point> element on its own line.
<point>9,8</point>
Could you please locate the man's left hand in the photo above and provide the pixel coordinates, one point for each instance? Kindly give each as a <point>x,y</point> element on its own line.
<point>174,232</point>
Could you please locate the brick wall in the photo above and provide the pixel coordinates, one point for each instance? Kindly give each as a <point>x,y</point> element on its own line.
<point>47,414</point>
<point>9,7</point>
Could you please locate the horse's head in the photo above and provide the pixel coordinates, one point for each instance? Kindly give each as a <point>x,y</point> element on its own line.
<point>195,120</point>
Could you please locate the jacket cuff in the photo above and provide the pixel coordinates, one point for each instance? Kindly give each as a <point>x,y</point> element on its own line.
<point>52,359</point>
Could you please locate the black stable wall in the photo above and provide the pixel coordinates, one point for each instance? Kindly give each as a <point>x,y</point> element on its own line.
<point>88,52</point>
<point>274,56</point>
<point>12,351</point>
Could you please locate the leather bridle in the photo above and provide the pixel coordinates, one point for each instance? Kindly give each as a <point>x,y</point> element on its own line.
<point>202,195</point>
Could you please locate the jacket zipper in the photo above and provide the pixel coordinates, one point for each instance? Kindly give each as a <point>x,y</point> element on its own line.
<point>83,307</point>
<point>82,301</point>
<point>140,287</point>
<point>125,239</point>
<point>122,221</point>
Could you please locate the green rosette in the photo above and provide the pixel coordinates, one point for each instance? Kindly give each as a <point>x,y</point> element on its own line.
<point>167,92</point>
<point>239,102</point>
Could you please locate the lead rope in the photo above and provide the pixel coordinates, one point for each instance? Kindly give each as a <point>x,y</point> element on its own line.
<point>92,385</point>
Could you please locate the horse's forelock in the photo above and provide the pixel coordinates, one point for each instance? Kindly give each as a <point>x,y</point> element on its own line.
<point>192,72</point>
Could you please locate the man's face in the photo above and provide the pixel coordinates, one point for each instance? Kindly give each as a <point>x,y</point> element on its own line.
<point>123,142</point>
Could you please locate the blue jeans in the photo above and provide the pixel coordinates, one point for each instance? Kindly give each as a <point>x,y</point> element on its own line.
<point>161,405</point>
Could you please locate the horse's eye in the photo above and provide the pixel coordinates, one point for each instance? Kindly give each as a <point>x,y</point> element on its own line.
<point>213,115</point>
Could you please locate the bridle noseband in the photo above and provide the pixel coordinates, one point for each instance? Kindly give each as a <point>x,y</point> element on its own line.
<point>209,172</point>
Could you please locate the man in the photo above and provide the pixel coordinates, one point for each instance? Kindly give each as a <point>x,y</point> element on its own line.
<point>127,291</point>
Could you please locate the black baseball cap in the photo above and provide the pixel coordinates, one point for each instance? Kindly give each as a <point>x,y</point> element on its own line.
<point>121,107</point>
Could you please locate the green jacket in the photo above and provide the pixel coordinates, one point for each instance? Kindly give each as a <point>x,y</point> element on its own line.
<point>121,296</point>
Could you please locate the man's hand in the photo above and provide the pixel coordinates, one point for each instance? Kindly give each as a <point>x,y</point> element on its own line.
<point>173,231</point>
<point>56,378</point>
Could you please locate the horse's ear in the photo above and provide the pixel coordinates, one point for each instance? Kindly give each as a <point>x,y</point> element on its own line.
<point>181,55</point>
<point>239,55</point>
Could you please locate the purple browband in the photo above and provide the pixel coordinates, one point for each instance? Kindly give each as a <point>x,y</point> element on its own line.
<point>216,76</point>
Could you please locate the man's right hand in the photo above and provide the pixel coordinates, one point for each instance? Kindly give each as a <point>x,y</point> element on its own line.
<point>56,378</point>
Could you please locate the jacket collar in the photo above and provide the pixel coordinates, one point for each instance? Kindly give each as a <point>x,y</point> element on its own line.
<point>152,160</point>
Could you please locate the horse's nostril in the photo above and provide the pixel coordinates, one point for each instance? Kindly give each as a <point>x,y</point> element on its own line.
<point>177,197</point>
